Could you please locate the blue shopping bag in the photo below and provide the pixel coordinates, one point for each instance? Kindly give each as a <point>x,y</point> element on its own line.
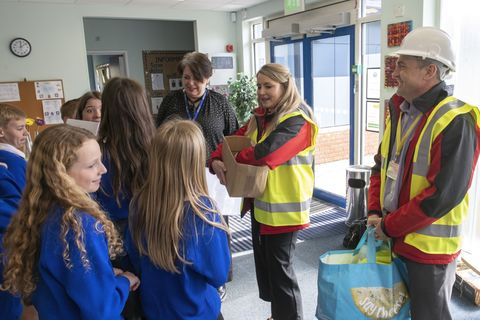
<point>364,283</point>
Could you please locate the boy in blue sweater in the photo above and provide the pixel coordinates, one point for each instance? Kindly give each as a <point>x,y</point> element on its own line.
<point>12,181</point>
<point>13,135</point>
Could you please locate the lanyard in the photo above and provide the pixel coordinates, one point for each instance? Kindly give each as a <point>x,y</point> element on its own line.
<point>197,111</point>
<point>399,139</point>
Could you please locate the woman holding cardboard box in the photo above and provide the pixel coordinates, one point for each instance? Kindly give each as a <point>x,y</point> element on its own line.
<point>283,134</point>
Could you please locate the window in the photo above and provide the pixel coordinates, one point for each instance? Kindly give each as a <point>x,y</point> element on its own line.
<point>371,86</point>
<point>371,7</point>
<point>461,22</point>
<point>257,46</point>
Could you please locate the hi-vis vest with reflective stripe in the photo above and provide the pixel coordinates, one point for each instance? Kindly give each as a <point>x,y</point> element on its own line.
<point>443,236</point>
<point>288,193</point>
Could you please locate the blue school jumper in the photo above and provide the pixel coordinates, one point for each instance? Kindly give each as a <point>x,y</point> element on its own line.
<point>77,292</point>
<point>192,293</point>
<point>12,183</point>
<point>106,198</point>
<point>15,161</point>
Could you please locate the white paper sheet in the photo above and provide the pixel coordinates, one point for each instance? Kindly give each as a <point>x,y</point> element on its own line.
<point>157,81</point>
<point>9,92</point>
<point>48,90</point>
<point>51,111</point>
<point>226,205</point>
<point>156,102</point>
<point>91,126</point>
<point>175,83</point>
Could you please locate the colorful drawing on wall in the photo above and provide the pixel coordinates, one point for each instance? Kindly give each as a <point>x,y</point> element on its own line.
<point>397,31</point>
<point>390,64</point>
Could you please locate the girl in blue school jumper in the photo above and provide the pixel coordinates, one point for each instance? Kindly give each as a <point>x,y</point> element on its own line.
<point>58,245</point>
<point>178,241</point>
<point>12,181</point>
<point>126,130</point>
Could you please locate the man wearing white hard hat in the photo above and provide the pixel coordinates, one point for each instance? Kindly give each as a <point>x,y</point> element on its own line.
<point>423,170</point>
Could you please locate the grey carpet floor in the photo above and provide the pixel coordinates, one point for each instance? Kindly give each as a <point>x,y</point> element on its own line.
<point>325,233</point>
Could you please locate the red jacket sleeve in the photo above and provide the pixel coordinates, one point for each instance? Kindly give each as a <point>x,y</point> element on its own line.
<point>286,141</point>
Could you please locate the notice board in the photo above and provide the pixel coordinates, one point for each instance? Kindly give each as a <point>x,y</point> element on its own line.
<point>39,99</point>
<point>161,75</point>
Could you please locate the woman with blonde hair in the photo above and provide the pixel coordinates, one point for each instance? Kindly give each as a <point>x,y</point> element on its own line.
<point>178,239</point>
<point>57,247</point>
<point>283,134</point>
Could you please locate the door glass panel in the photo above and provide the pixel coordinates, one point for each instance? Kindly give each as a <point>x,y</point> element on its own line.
<point>331,104</point>
<point>291,55</point>
<point>371,90</point>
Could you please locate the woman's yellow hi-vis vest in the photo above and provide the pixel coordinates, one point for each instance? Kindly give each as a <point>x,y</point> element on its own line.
<point>443,236</point>
<point>288,193</point>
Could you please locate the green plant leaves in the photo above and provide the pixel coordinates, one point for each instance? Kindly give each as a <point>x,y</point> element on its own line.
<point>242,94</point>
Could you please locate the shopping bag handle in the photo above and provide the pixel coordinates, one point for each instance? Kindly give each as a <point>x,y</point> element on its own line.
<point>368,238</point>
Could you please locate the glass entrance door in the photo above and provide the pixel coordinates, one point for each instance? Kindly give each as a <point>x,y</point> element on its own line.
<point>328,89</point>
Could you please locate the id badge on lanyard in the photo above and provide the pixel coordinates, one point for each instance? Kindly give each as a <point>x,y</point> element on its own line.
<point>393,166</point>
<point>393,169</point>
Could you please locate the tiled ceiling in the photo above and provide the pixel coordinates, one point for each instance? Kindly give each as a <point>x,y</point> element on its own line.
<point>216,5</point>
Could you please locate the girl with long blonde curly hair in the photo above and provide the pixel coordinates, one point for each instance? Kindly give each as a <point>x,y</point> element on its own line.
<point>57,247</point>
<point>178,238</point>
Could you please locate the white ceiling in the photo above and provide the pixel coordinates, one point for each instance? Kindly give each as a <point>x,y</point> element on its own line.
<point>216,5</point>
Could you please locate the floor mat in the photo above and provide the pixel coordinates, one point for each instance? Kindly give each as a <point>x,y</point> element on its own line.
<point>325,220</point>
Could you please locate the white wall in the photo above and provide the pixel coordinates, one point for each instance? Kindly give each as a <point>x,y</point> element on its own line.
<point>134,36</point>
<point>421,12</point>
<point>57,37</point>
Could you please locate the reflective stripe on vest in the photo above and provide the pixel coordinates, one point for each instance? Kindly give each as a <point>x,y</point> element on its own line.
<point>443,236</point>
<point>283,207</point>
<point>422,161</point>
<point>308,159</point>
<point>288,193</point>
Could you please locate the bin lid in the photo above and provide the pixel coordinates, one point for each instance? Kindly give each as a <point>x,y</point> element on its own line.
<point>359,172</point>
<point>359,168</point>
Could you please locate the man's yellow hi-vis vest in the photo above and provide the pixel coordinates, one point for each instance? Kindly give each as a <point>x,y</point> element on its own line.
<point>288,193</point>
<point>443,236</point>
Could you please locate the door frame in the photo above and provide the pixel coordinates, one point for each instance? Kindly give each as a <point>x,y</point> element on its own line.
<point>123,64</point>
<point>308,91</point>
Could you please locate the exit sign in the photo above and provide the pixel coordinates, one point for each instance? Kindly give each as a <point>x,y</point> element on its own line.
<point>293,6</point>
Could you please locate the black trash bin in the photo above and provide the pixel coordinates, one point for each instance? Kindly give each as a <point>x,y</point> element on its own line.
<point>358,181</point>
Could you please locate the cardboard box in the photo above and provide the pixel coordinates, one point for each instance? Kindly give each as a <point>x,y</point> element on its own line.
<point>467,282</point>
<point>243,180</point>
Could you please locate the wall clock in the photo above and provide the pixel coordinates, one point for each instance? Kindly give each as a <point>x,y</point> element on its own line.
<point>20,47</point>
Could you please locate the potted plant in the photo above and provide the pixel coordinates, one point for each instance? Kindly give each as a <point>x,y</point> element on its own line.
<point>242,94</point>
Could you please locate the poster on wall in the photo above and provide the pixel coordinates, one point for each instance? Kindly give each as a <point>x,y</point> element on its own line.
<point>373,116</point>
<point>397,31</point>
<point>48,90</point>
<point>156,103</point>
<point>51,111</point>
<point>373,83</point>
<point>390,64</point>
<point>9,92</point>
<point>157,81</point>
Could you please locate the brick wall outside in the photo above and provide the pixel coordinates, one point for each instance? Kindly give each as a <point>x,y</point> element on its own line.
<point>333,145</point>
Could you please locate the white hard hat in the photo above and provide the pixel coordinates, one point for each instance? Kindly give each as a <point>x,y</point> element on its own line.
<point>429,42</point>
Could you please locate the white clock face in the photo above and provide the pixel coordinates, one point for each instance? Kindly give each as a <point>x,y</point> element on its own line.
<point>20,47</point>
